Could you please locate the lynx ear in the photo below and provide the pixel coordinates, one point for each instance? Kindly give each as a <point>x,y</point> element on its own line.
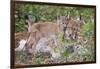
<point>68,15</point>
<point>26,19</point>
<point>58,19</point>
<point>79,17</point>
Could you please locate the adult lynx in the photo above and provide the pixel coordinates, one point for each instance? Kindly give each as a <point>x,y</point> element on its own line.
<point>45,29</point>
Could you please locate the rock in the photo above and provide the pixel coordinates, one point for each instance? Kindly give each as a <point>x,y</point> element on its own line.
<point>21,46</point>
<point>71,48</point>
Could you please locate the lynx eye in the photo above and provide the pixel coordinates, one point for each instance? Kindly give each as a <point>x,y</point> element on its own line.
<point>63,23</point>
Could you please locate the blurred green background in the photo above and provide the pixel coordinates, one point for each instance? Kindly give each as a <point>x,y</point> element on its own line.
<point>48,13</point>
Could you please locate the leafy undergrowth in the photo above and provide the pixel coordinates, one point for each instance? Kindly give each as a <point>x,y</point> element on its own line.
<point>81,50</point>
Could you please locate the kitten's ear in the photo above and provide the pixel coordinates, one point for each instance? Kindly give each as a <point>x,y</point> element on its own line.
<point>79,17</point>
<point>26,19</point>
<point>68,16</point>
<point>58,19</point>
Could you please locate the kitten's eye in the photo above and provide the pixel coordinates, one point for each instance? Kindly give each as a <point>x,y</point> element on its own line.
<point>63,23</point>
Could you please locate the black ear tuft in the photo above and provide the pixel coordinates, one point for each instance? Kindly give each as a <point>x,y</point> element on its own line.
<point>26,17</point>
<point>26,20</point>
<point>80,17</point>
